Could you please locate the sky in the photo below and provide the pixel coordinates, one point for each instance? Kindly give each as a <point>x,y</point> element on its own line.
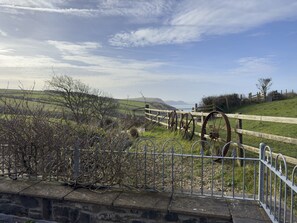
<point>170,49</point>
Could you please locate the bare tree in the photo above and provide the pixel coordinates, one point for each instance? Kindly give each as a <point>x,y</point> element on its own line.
<point>84,103</point>
<point>264,85</point>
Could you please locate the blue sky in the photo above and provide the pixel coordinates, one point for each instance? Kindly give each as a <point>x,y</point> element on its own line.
<point>171,49</point>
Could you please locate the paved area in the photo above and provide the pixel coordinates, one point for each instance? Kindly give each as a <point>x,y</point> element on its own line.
<point>230,210</point>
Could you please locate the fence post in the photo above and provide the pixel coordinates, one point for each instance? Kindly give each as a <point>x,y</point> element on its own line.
<point>168,120</point>
<point>145,111</point>
<point>240,141</point>
<point>261,171</point>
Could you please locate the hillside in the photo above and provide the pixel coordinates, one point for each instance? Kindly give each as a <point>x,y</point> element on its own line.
<point>46,99</point>
<point>282,108</point>
<point>148,100</point>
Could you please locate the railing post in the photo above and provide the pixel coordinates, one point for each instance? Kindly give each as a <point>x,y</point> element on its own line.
<point>145,166</point>
<point>261,171</point>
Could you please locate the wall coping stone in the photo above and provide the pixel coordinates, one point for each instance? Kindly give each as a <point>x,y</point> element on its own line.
<point>82,195</point>
<point>8,186</point>
<point>143,200</point>
<point>52,190</point>
<point>199,206</point>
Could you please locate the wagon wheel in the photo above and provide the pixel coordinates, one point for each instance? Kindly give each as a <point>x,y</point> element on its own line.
<point>173,121</point>
<point>216,129</point>
<point>187,126</point>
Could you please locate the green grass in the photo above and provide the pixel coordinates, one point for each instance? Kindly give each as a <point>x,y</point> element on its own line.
<point>282,108</point>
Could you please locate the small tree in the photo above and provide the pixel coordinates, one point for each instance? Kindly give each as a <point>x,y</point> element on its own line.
<point>264,85</point>
<point>83,102</point>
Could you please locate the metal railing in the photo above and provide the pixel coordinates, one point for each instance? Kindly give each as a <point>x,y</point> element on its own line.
<point>277,191</point>
<point>165,167</point>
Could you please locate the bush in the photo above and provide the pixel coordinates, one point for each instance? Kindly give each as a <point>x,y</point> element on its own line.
<point>222,102</point>
<point>134,132</point>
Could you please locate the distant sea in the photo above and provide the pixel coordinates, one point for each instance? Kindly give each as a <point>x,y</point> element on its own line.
<point>184,107</point>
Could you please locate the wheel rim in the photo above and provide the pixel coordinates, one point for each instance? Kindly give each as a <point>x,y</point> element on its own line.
<point>173,121</point>
<point>187,126</point>
<point>216,129</point>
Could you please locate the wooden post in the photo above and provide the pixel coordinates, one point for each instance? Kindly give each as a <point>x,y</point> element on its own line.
<point>240,141</point>
<point>145,111</point>
<point>168,120</point>
<point>227,103</point>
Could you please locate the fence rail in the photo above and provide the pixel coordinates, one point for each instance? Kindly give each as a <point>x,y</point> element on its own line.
<point>162,117</point>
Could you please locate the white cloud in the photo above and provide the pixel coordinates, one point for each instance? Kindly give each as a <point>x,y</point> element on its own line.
<point>194,19</point>
<point>2,33</point>
<point>14,61</point>
<point>131,8</point>
<point>35,3</point>
<point>72,11</point>
<point>74,48</point>
<point>78,60</point>
<point>254,66</point>
<point>151,36</point>
<point>142,8</point>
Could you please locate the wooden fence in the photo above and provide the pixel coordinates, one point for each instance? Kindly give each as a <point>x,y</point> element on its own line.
<point>162,117</point>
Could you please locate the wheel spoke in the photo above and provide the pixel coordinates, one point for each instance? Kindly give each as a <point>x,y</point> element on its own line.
<point>216,129</point>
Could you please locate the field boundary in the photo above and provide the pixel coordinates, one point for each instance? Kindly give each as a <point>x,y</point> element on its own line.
<point>162,117</point>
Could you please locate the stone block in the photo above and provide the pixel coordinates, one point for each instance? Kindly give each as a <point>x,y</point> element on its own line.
<point>143,201</point>
<point>13,209</point>
<point>15,186</point>
<point>84,217</point>
<point>29,202</point>
<point>94,197</point>
<point>171,217</point>
<point>46,208</point>
<point>149,214</point>
<point>50,190</point>
<point>200,207</point>
<point>35,214</point>
<point>241,211</point>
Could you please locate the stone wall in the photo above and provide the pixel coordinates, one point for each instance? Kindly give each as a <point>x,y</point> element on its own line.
<point>29,201</point>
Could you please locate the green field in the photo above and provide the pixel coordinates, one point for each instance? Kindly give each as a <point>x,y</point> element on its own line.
<point>282,108</point>
<point>45,98</point>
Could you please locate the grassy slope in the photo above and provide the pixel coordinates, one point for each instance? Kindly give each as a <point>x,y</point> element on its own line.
<point>283,108</point>
<point>37,97</point>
